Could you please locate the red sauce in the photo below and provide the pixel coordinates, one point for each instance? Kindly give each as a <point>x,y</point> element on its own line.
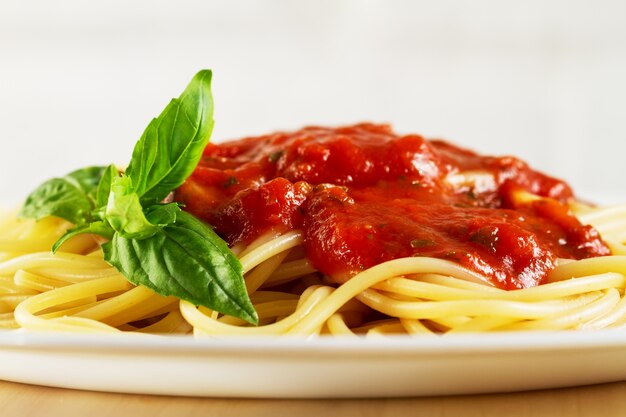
<point>364,195</point>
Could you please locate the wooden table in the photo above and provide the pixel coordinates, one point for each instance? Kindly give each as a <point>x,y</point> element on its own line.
<point>26,400</point>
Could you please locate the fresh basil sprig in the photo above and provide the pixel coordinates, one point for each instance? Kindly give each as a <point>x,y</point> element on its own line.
<point>151,243</point>
<point>71,197</point>
<point>172,144</point>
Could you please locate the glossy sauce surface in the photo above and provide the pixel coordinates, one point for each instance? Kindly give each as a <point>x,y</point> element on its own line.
<point>364,195</point>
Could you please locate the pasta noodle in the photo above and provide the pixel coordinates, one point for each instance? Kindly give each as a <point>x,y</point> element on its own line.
<point>75,290</point>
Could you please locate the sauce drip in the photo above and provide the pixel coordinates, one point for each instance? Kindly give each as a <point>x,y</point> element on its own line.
<point>364,195</point>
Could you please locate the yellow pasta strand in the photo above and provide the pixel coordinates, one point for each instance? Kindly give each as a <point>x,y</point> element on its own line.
<point>25,313</point>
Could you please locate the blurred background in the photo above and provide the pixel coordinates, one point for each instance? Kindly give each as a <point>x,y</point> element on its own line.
<point>544,80</point>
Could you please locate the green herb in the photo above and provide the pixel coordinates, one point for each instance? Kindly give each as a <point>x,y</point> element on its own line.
<point>487,237</point>
<point>275,156</point>
<point>172,144</point>
<point>153,244</point>
<point>180,250</point>
<point>70,197</point>
<point>453,256</point>
<point>230,182</point>
<point>420,243</point>
<point>104,186</point>
<point>96,228</point>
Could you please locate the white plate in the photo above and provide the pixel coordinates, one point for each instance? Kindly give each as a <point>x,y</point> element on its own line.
<point>321,368</point>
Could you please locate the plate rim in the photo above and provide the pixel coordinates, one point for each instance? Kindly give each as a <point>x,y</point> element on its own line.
<point>464,344</point>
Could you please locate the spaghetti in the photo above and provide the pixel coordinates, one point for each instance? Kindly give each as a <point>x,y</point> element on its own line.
<point>75,290</point>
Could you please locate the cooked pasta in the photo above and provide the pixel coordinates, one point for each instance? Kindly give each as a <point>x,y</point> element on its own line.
<point>75,290</point>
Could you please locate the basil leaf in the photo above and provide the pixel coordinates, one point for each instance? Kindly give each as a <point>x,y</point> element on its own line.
<point>187,260</point>
<point>172,144</point>
<point>162,214</point>
<point>104,186</point>
<point>96,228</point>
<point>125,213</point>
<point>69,197</point>
<point>88,178</point>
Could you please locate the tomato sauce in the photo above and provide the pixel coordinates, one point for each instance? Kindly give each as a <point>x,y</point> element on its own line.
<point>364,195</point>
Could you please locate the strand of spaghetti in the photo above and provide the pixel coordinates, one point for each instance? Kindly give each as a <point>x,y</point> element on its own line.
<point>499,308</point>
<point>75,275</point>
<point>615,316</point>
<point>617,248</point>
<point>311,296</point>
<point>451,281</point>
<point>266,310</point>
<point>25,312</point>
<point>37,282</point>
<point>613,226</point>
<point>589,266</point>
<point>11,286</point>
<point>393,327</point>
<point>338,327</point>
<point>7,321</point>
<point>80,244</point>
<point>12,300</point>
<point>266,296</point>
<point>29,236</point>
<point>211,326</point>
<point>48,260</point>
<point>5,308</point>
<point>152,306</point>
<point>25,246</point>
<point>290,270</point>
<point>602,215</point>
<point>256,277</point>
<point>354,307</point>
<point>614,232</point>
<point>482,324</point>
<point>237,249</point>
<point>363,329</point>
<point>444,324</point>
<point>117,304</point>
<point>5,256</point>
<point>256,243</point>
<point>45,230</point>
<point>271,248</point>
<point>165,305</point>
<point>371,277</point>
<point>553,290</point>
<point>77,244</point>
<point>77,324</point>
<point>173,322</point>
<point>619,326</point>
<point>66,310</point>
<point>415,327</point>
<point>573,318</point>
